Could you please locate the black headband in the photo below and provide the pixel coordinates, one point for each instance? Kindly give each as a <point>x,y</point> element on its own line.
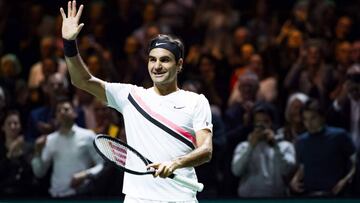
<point>170,46</point>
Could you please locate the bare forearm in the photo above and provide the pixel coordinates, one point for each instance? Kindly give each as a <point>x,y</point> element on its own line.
<point>83,79</point>
<point>197,157</point>
<point>79,73</point>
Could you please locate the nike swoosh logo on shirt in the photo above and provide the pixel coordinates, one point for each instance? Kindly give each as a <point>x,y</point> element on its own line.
<point>179,107</point>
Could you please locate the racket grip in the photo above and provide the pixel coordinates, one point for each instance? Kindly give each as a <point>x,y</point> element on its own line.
<point>189,183</point>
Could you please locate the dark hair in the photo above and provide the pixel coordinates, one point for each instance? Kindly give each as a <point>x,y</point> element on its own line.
<point>265,108</point>
<point>9,113</point>
<point>63,99</point>
<point>313,105</point>
<point>178,50</point>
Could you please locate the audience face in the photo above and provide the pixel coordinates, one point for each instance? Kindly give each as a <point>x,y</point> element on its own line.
<point>94,66</point>
<point>313,55</point>
<point>131,45</point>
<point>55,85</point>
<point>343,27</point>
<point>249,85</point>
<point>313,121</point>
<point>343,53</point>
<point>295,39</point>
<point>207,68</point>
<point>12,125</point>
<point>263,120</point>
<point>49,66</point>
<point>294,114</point>
<point>247,50</point>
<point>47,47</point>
<point>241,36</point>
<point>256,64</point>
<point>65,113</point>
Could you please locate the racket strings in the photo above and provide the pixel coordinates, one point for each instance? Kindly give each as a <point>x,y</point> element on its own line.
<point>121,155</point>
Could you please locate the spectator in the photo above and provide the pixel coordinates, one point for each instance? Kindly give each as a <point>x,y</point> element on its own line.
<point>16,177</point>
<point>240,104</point>
<point>39,70</point>
<point>264,162</point>
<point>294,125</point>
<point>310,74</point>
<point>42,119</point>
<point>70,150</point>
<point>324,155</point>
<point>345,110</point>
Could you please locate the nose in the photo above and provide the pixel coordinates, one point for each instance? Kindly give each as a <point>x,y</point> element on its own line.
<point>157,65</point>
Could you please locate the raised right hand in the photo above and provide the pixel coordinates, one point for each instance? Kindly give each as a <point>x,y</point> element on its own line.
<point>70,25</point>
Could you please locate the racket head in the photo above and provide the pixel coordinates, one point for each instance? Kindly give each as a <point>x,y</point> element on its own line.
<point>121,155</point>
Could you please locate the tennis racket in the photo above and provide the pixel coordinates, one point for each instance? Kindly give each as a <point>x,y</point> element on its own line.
<point>131,161</point>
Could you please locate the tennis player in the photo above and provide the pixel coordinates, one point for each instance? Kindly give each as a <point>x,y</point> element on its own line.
<point>169,126</point>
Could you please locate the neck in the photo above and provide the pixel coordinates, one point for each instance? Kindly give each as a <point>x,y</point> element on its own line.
<point>165,89</point>
<point>9,140</point>
<point>65,128</point>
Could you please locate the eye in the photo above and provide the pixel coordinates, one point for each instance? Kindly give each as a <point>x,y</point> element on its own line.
<point>165,60</point>
<point>152,59</point>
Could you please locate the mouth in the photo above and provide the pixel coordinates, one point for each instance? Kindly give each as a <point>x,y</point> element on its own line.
<point>158,74</point>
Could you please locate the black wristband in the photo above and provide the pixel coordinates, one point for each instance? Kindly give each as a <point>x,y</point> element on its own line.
<point>70,48</point>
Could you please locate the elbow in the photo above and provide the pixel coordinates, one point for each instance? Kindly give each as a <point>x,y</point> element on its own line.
<point>208,154</point>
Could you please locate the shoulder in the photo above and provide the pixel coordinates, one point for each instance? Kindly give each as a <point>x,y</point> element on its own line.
<point>84,131</point>
<point>302,137</point>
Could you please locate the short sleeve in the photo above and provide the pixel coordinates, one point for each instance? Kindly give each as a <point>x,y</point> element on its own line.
<point>202,115</point>
<point>116,95</point>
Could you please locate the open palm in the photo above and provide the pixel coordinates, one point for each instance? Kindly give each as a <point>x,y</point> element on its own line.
<point>70,25</point>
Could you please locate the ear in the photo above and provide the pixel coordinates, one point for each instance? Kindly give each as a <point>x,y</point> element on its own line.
<point>180,65</point>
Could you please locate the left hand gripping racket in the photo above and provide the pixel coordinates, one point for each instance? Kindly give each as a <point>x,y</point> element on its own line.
<point>131,161</point>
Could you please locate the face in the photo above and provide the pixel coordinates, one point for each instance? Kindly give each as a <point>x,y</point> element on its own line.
<point>295,39</point>
<point>343,53</point>
<point>162,67</point>
<point>12,125</point>
<point>313,56</point>
<point>65,112</point>
<point>313,121</point>
<point>248,87</point>
<point>55,84</point>
<point>294,115</point>
<point>262,119</point>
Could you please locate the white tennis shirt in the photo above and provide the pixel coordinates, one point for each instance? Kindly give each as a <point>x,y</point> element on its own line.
<point>161,128</point>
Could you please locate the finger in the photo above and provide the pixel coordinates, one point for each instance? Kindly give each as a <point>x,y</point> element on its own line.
<point>69,9</point>
<point>153,165</point>
<point>73,10</point>
<point>80,27</point>
<point>78,15</point>
<point>159,170</point>
<point>62,13</point>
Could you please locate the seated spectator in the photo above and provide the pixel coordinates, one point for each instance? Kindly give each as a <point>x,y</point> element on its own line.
<point>70,150</point>
<point>16,177</point>
<point>324,155</point>
<point>263,162</point>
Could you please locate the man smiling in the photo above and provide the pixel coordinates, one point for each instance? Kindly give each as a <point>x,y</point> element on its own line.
<point>176,140</point>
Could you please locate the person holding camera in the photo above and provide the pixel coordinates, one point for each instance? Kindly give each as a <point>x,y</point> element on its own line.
<point>263,162</point>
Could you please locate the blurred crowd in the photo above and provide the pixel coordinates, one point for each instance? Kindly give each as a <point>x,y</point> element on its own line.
<point>282,79</point>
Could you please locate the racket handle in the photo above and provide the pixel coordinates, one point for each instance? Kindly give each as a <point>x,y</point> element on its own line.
<point>189,183</point>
